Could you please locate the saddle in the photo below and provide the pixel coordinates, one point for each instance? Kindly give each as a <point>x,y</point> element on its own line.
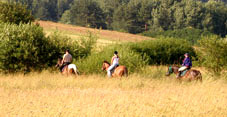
<point>65,67</point>
<point>114,68</point>
<point>184,72</point>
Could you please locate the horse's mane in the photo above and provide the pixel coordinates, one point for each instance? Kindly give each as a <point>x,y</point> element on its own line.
<point>59,58</point>
<point>106,62</point>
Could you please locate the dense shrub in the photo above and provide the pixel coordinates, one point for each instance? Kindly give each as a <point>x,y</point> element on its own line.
<point>213,53</point>
<point>190,34</point>
<point>164,51</point>
<point>78,48</point>
<point>24,47</point>
<point>14,13</point>
<point>93,63</point>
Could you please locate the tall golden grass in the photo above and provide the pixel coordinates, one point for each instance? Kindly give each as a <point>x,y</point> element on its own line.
<point>54,95</point>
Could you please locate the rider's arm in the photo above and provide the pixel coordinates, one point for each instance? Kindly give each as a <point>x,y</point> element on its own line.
<point>112,60</point>
<point>63,59</point>
<point>187,62</point>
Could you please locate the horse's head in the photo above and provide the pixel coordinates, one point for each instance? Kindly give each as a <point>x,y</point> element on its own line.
<point>58,62</point>
<point>105,65</point>
<point>172,69</point>
<point>169,71</point>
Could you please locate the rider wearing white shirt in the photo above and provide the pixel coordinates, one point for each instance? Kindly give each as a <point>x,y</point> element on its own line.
<point>67,59</point>
<point>114,63</point>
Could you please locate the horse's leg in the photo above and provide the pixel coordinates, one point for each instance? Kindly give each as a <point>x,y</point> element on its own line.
<point>189,76</point>
<point>67,71</point>
<point>70,71</point>
<point>126,72</point>
<point>75,72</point>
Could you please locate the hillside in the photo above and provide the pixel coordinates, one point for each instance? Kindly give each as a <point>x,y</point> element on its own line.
<point>104,36</point>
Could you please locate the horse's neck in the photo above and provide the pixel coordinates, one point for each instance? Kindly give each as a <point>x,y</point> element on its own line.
<point>107,66</point>
<point>175,70</point>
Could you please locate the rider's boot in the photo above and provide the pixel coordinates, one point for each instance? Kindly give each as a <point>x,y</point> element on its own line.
<point>109,74</point>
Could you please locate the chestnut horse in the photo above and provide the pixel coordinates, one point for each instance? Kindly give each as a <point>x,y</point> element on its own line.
<point>118,72</point>
<point>189,75</point>
<point>68,69</point>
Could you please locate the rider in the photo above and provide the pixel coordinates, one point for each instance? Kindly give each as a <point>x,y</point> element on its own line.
<point>187,64</point>
<point>67,59</point>
<point>114,63</point>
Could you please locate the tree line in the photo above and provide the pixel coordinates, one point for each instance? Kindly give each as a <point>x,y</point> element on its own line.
<point>134,16</point>
<point>25,47</point>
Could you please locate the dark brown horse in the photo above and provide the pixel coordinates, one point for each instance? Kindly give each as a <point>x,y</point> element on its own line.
<point>69,69</point>
<point>189,75</point>
<point>118,72</point>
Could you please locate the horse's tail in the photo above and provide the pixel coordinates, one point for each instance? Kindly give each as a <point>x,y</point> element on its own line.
<point>199,77</point>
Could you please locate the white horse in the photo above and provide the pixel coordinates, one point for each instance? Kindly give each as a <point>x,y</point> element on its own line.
<point>68,69</point>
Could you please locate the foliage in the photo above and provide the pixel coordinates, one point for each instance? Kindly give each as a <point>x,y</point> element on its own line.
<point>14,13</point>
<point>86,13</point>
<point>135,16</point>
<point>78,49</point>
<point>164,51</point>
<point>212,53</point>
<point>93,63</point>
<point>132,17</point>
<point>24,47</point>
<point>215,19</point>
<point>190,34</point>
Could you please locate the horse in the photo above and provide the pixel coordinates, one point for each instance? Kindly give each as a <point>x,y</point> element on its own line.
<point>118,71</point>
<point>190,75</point>
<point>70,69</point>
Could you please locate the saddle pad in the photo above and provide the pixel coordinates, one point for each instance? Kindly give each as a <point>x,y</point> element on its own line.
<point>184,72</point>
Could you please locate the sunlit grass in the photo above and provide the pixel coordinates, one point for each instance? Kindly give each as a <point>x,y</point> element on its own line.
<point>73,32</point>
<point>51,94</point>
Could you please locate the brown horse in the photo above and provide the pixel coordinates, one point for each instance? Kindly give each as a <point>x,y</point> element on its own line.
<point>189,75</point>
<point>118,72</point>
<point>68,69</point>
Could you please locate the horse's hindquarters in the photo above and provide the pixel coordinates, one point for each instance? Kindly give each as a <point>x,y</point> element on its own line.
<point>193,75</point>
<point>72,69</point>
<point>121,71</point>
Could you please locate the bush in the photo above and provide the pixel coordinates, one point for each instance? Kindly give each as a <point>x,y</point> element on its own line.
<point>190,34</point>
<point>93,63</point>
<point>24,47</point>
<point>78,48</point>
<point>164,51</point>
<point>14,13</point>
<point>213,53</point>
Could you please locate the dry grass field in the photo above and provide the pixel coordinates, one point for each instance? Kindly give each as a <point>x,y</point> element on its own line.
<point>53,95</point>
<point>105,36</point>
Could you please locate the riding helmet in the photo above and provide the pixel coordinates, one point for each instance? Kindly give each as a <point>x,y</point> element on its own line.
<point>115,52</point>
